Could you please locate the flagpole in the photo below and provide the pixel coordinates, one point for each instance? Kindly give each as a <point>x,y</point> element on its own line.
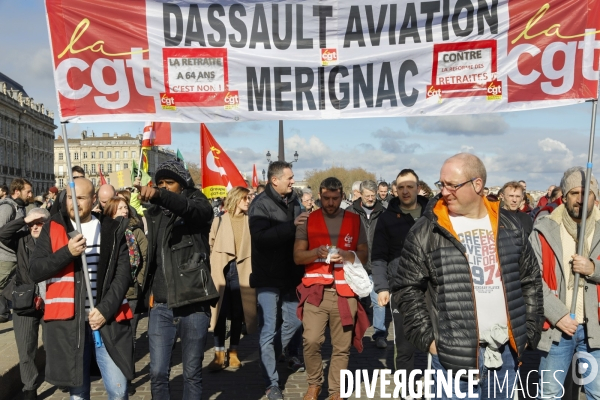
<point>584,212</point>
<point>140,163</point>
<point>86,277</point>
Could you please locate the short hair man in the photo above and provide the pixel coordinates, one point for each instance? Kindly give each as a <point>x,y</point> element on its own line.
<point>69,323</point>
<point>20,235</point>
<point>390,234</point>
<point>554,242</point>
<point>369,208</point>
<point>177,284</point>
<point>11,208</point>
<point>3,191</point>
<point>273,217</point>
<point>512,194</point>
<point>554,202</point>
<point>526,204</point>
<point>324,293</point>
<point>545,199</point>
<point>78,172</point>
<point>356,190</point>
<point>259,189</point>
<point>383,194</point>
<point>476,266</point>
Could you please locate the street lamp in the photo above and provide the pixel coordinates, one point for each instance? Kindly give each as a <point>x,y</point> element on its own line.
<point>268,157</point>
<point>264,175</point>
<point>295,157</point>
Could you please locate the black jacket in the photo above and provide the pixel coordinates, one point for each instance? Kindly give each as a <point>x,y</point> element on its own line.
<point>368,223</point>
<point>392,227</point>
<point>433,262</point>
<point>272,233</point>
<point>186,233</point>
<point>63,340</point>
<point>16,236</point>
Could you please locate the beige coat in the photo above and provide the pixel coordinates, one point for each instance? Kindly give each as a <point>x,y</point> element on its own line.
<point>222,246</point>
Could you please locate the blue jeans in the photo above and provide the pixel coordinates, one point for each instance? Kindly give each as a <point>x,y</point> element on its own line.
<point>558,360</point>
<point>115,382</point>
<point>269,302</point>
<point>378,316</point>
<point>498,386</point>
<point>164,325</point>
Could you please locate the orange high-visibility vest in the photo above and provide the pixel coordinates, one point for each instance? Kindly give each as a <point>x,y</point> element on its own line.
<point>60,289</point>
<point>319,272</point>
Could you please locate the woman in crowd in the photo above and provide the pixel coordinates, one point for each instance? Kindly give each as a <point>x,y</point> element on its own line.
<point>138,249</point>
<point>230,269</point>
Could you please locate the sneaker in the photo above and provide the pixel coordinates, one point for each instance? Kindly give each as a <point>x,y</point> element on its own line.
<point>274,393</point>
<point>380,343</point>
<point>295,364</point>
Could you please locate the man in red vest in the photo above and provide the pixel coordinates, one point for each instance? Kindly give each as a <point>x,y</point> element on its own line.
<point>554,241</point>
<point>325,297</point>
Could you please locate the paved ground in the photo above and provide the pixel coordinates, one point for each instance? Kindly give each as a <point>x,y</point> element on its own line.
<point>243,384</point>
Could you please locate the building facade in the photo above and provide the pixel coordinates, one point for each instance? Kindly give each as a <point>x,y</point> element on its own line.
<point>26,137</point>
<point>106,153</point>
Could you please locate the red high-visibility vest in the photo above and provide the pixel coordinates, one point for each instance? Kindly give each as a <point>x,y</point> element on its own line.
<point>60,289</point>
<point>319,272</point>
<point>549,274</point>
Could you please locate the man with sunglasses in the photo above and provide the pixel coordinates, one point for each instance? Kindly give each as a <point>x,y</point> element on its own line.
<point>20,235</point>
<point>469,284</point>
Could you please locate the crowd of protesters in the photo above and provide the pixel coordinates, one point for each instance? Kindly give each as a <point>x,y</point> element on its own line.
<point>471,277</point>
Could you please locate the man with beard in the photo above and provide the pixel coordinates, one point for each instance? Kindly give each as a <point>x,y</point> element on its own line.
<point>11,208</point>
<point>369,208</point>
<point>392,229</point>
<point>554,241</point>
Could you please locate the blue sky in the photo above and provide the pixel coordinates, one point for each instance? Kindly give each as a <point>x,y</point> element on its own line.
<point>536,146</point>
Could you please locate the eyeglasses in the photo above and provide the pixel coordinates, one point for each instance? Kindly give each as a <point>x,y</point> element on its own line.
<point>451,188</point>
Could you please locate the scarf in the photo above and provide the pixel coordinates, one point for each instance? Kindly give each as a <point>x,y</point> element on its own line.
<point>573,228</point>
<point>134,252</point>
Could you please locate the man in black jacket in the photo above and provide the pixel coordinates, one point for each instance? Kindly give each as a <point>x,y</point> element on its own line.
<point>20,235</point>
<point>274,215</point>
<point>476,266</point>
<point>390,233</point>
<point>68,323</point>
<point>369,208</point>
<point>177,284</point>
<point>512,196</point>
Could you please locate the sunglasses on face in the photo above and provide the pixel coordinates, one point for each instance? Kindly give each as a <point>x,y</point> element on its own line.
<point>35,223</point>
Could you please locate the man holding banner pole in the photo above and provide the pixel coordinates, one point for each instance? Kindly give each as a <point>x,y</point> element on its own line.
<point>72,248</point>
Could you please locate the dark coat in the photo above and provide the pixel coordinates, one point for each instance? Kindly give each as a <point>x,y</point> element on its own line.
<point>392,227</point>
<point>63,340</point>
<point>186,233</point>
<point>433,263</point>
<point>368,223</point>
<point>16,236</point>
<point>272,233</point>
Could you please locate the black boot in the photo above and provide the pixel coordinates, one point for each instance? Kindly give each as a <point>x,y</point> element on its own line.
<point>30,394</point>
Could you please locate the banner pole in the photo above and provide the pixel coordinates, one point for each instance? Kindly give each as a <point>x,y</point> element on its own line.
<point>86,277</point>
<point>139,174</point>
<point>584,212</point>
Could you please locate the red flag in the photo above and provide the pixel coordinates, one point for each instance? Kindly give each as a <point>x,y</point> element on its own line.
<point>219,173</point>
<point>156,134</point>
<point>254,177</point>
<point>102,179</point>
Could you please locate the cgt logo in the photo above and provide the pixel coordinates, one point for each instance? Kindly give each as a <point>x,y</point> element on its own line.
<point>167,102</point>
<point>96,71</point>
<point>329,56</point>
<point>556,52</point>
<point>232,100</point>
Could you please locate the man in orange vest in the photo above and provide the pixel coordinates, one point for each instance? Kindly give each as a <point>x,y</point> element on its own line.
<point>554,241</point>
<point>325,297</point>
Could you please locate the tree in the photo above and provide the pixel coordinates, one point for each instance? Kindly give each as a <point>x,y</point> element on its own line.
<point>347,176</point>
<point>195,172</point>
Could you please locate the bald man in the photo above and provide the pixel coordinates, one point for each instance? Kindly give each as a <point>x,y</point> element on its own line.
<point>105,193</point>
<point>475,264</point>
<point>68,339</point>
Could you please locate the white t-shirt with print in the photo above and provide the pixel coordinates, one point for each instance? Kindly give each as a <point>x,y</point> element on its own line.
<point>477,236</point>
